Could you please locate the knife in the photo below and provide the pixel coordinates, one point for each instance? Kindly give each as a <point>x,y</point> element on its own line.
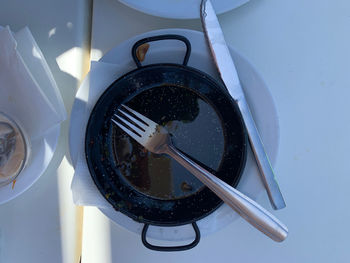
<point>228,73</point>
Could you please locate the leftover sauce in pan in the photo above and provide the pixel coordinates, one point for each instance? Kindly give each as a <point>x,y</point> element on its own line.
<point>196,130</point>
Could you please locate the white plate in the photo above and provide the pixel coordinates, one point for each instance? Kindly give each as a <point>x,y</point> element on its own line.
<point>41,153</point>
<point>41,149</point>
<point>257,94</point>
<point>179,9</point>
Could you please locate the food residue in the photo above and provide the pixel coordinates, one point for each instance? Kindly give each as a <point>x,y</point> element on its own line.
<point>142,51</point>
<point>13,183</point>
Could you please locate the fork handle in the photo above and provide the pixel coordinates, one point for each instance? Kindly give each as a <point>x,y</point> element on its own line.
<point>256,215</point>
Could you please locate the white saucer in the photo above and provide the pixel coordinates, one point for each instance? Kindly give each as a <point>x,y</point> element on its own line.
<point>258,96</point>
<point>42,148</point>
<point>179,9</point>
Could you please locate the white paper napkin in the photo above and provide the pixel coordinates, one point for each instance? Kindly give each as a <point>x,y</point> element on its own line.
<point>21,97</point>
<point>36,63</point>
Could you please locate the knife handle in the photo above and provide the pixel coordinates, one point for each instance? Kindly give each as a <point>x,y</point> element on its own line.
<point>266,171</point>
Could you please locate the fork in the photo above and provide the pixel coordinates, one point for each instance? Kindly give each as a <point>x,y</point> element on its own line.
<point>156,139</point>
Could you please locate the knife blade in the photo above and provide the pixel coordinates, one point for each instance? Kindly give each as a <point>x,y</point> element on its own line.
<point>226,67</point>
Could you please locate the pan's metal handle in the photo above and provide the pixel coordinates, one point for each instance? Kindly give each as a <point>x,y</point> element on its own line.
<point>169,249</point>
<point>158,38</point>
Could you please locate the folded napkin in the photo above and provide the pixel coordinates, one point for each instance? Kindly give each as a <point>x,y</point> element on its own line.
<point>36,63</point>
<point>36,107</point>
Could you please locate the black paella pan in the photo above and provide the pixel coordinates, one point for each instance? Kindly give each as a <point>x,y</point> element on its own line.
<point>205,124</point>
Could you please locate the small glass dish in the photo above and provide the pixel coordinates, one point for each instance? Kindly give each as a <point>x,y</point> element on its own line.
<point>13,150</point>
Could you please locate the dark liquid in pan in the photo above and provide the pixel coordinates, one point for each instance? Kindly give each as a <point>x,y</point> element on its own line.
<point>196,130</point>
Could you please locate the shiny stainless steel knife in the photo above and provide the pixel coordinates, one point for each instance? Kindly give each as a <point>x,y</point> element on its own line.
<point>228,73</point>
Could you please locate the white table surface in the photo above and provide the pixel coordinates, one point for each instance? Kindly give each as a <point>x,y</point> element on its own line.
<point>301,48</point>
<point>41,224</point>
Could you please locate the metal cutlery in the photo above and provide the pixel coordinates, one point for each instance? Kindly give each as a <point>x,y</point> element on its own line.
<point>228,73</point>
<point>156,139</point>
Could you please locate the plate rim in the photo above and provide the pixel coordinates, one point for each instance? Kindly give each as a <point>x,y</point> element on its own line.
<point>178,15</point>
